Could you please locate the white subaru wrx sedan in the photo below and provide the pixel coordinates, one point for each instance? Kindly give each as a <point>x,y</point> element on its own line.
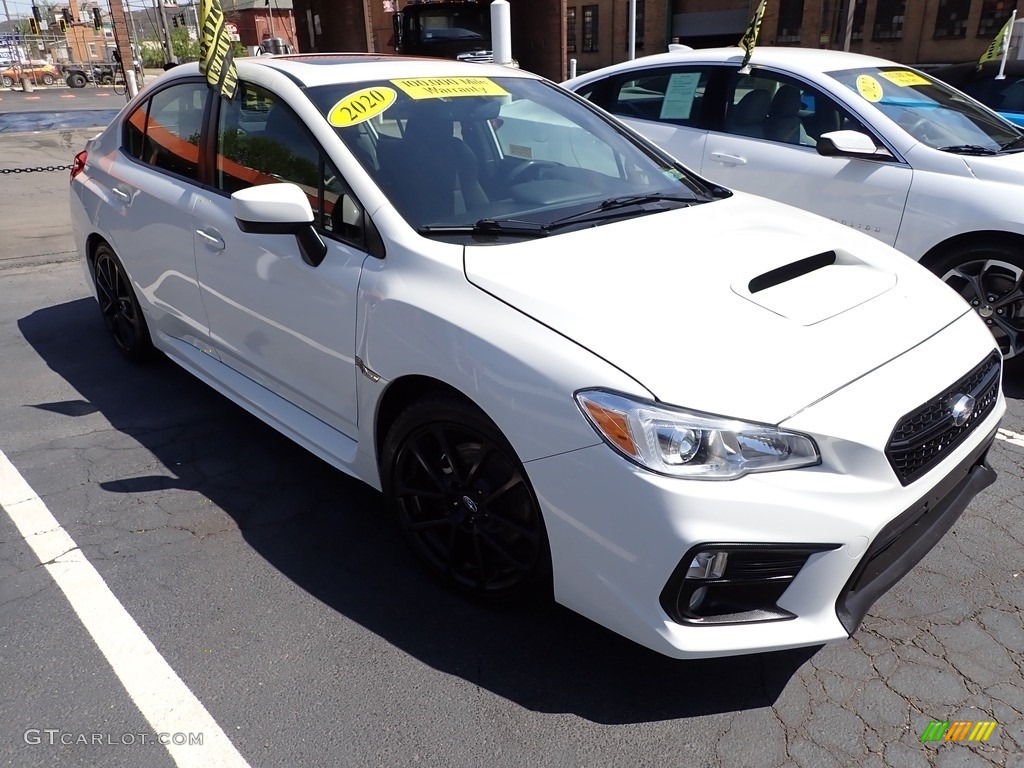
<point>687,412</point>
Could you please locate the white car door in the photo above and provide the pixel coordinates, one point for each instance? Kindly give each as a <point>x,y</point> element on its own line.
<point>285,324</point>
<point>153,189</point>
<point>766,147</point>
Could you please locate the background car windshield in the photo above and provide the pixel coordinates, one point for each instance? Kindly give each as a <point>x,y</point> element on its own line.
<point>928,110</point>
<point>449,153</point>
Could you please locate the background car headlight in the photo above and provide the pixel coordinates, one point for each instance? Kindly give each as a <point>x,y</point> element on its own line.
<point>682,443</point>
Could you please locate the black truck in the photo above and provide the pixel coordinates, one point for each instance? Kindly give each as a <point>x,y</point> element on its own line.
<point>449,30</point>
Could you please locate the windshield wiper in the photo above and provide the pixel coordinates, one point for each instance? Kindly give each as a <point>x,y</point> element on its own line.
<point>492,227</point>
<point>617,203</point>
<point>1012,144</point>
<point>970,149</point>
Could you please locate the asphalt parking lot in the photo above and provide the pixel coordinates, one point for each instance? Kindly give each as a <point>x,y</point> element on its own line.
<point>286,604</point>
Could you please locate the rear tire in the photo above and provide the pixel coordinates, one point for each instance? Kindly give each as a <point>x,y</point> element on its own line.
<point>77,80</point>
<point>989,274</point>
<point>463,500</point>
<point>48,79</point>
<point>119,307</point>
<point>7,82</point>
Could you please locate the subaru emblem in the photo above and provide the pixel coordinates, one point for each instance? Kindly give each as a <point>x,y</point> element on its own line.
<point>963,407</point>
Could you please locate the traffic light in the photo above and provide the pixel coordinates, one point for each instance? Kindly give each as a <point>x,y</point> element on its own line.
<point>34,26</point>
<point>174,19</point>
<point>97,19</point>
<point>36,15</point>
<point>66,13</point>
<point>63,26</point>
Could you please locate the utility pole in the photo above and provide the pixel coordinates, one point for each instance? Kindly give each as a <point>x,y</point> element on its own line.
<point>848,32</point>
<point>122,40</point>
<point>166,28</point>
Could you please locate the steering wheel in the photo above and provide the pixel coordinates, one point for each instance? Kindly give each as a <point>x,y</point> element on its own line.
<point>529,170</point>
<point>921,128</point>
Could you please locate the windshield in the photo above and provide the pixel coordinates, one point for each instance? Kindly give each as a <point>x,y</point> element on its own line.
<point>437,24</point>
<point>930,111</point>
<point>454,152</point>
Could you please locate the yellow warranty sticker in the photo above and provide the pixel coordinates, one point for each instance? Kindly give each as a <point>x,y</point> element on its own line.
<point>360,106</point>
<point>446,87</point>
<point>903,77</point>
<point>869,88</point>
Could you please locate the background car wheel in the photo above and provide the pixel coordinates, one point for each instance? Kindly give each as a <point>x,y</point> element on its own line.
<point>48,79</point>
<point>7,82</point>
<point>464,502</point>
<point>120,309</point>
<point>989,275</point>
<point>76,80</point>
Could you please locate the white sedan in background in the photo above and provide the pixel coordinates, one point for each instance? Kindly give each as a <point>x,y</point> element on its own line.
<point>603,377</point>
<point>872,144</point>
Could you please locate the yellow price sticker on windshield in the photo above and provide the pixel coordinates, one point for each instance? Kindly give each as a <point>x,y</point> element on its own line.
<point>903,77</point>
<point>869,88</point>
<point>446,87</point>
<point>360,106</point>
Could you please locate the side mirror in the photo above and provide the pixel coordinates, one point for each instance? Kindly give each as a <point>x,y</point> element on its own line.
<point>279,209</point>
<point>849,144</point>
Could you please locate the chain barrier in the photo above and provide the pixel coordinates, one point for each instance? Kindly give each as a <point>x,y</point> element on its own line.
<point>36,169</point>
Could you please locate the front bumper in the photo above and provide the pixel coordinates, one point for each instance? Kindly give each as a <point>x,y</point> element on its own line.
<point>618,533</point>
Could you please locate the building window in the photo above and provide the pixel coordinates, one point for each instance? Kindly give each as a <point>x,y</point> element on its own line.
<point>994,14</point>
<point>951,19</point>
<point>589,28</point>
<point>791,14</point>
<point>889,20</point>
<point>570,30</point>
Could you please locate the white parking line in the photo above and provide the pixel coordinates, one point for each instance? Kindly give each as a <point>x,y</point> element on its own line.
<point>1010,437</point>
<point>164,700</point>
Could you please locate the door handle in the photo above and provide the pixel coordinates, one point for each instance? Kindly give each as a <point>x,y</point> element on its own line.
<point>121,194</point>
<point>722,157</point>
<point>214,240</point>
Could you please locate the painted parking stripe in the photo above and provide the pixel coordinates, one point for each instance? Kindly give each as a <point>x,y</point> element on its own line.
<point>1010,437</point>
<point>164,700</point>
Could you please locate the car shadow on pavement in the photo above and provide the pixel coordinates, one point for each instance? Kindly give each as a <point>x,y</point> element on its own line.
<point>327,533</point>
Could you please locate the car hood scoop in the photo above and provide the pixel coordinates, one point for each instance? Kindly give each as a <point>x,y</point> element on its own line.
<point>741,307</point>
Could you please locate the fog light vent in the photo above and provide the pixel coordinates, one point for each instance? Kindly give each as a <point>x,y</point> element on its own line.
<point>734,583</point>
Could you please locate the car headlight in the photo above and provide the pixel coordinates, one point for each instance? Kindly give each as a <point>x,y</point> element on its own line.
<point>698,446</point>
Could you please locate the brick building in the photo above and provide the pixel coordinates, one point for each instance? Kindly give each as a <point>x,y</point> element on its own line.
<point>546,34</point>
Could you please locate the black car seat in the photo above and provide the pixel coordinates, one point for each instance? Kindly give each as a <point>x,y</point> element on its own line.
<point>746,118</point>
<point>430,174</point>
<point>783,121</point>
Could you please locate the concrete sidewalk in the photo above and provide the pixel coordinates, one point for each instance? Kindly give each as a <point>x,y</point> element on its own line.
<point>35,225</point>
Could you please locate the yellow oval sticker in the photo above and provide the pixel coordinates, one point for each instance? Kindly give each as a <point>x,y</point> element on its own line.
<point>869,88</point>
<point>360,106</point>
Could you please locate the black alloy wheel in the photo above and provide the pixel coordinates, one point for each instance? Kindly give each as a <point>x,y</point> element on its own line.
<point>988,277</point>
<point>464,502</point>
<point>119,307</point>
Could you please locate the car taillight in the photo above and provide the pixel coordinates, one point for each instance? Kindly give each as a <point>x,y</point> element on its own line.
<point>78,165</point>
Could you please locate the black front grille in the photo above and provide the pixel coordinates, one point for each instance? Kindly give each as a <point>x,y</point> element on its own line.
<point>925,436</point>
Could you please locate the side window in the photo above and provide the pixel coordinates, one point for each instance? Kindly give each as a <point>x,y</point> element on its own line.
<point>666,95</point>
<point>260,140</point>
<point>172,128</point>
<point>777,108</point>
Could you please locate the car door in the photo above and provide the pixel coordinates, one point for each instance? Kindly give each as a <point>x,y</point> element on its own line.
<point>274,318</point>
<point>153,185</point>
<point>665,104</point>
<point>766,146</point>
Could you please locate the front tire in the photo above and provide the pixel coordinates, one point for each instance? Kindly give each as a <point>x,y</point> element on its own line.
<point>989,277</point>
<point>119,307</point>
<point>7,82</point>
<point>77,80</point>
<point>463,501</point>
<point>48,79</point>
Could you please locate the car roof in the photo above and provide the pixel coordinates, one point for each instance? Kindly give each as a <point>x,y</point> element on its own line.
<point>313,69</point>
<point>805,61</point>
